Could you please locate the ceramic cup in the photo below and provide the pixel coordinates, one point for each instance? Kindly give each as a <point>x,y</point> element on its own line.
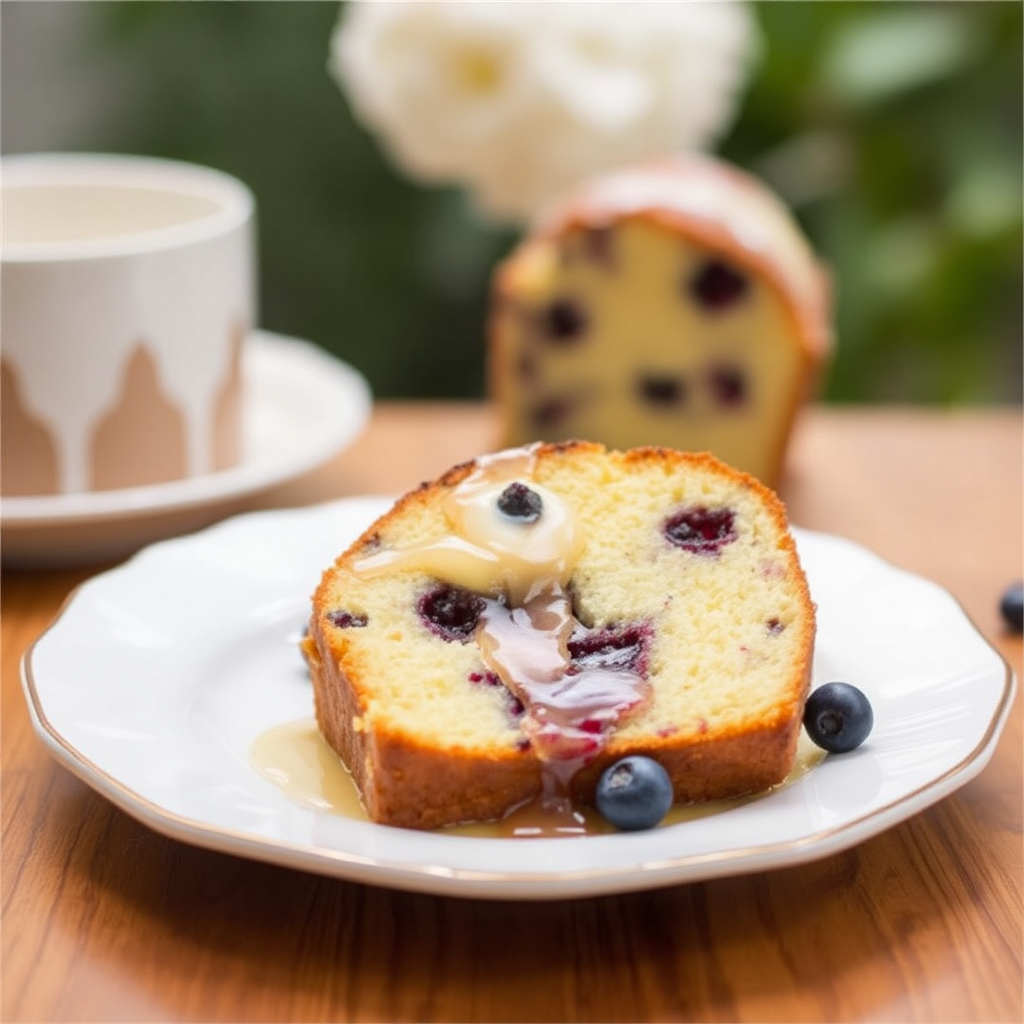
<point>126,295</point>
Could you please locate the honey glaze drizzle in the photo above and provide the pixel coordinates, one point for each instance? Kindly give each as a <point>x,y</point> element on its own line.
<point>488,552</point>
<point>569,710</point>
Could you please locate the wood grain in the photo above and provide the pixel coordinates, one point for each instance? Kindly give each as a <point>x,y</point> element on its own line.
<point>104,919</point>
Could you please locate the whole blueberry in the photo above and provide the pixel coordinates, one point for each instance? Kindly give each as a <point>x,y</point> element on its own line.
<point>634,793</point>
<point>1011,607</point>
<point>520,502</point>
<point>838,717</point>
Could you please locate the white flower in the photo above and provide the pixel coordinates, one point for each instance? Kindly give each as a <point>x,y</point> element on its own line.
<point>518,101</point>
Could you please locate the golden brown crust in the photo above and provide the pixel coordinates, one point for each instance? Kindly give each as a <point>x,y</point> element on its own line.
<point>401,781</point>
<point>722,768</point>
<point>407,782</point>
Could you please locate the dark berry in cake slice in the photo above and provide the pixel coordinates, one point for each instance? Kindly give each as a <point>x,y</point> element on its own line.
<point>598,245</point>
<point>634,793</point>
<point>661,390</point>
<point>838,717</point>
<point>488,678</point>
<point>717,286</point>
<point>704,531</point>
<point>520,502</point>
<point>346,620</point>
<point>552,413</point>
<point>728,385</point>
<point>615,648</point>
<point>526,366</point>
<point>451,612</point>
<point>563,322</point>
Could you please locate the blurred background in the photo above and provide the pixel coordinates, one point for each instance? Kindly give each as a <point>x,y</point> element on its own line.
<point>893,130</point>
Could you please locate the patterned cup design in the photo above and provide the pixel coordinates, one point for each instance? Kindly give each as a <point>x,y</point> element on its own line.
<point>123,325</point>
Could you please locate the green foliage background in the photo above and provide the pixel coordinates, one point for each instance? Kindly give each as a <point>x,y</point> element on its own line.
<point>893,129</point>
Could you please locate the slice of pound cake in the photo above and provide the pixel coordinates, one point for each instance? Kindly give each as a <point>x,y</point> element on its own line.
<point>509,630</point>
<point>675,303</point>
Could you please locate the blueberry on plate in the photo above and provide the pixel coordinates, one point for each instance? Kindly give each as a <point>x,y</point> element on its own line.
<point>1011,606</point>
<point>838,717</point>
<point>634,793</point>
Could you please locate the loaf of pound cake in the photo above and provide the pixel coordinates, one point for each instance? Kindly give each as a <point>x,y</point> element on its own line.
<point>507,631</point>
<point>674,303</point>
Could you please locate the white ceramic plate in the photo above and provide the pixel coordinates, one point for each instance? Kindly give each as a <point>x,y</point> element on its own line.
<point>157,677</point>
<point>301,407</point>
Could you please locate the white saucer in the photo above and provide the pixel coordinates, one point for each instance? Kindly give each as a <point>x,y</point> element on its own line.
<point>302,406</point>
<point>212,621</point>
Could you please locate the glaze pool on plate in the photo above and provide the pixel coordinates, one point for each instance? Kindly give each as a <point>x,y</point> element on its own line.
<point>208,625</point>
<point>296,758</point>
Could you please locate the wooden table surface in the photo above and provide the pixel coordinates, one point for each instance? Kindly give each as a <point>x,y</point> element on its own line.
<point>104,920</point>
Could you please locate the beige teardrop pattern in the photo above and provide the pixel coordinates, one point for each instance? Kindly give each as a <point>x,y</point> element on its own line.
<point>142,439</point>
<point>227,413</point>
<point>28,453</point>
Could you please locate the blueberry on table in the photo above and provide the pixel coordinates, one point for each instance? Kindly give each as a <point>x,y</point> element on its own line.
<point>1011,606</point>
<point>838,717</point>
<point>634,793</point>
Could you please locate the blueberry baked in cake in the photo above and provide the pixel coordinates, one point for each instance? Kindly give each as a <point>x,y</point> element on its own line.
<point>507,631</point>
<point>675,303</point>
